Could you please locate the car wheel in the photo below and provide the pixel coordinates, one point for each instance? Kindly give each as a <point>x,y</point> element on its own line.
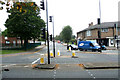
<point>99,50</point>
<point>81,49</point>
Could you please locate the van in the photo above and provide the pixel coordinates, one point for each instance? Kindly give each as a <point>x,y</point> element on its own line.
<point>88,45</point>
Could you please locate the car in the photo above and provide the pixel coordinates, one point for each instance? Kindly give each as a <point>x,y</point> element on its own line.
<point>58,41</point>
<point>103,47</point>
<point>89,45</point>
<point>65,44</point>
<point>61,42</point>
<point>73,47</point>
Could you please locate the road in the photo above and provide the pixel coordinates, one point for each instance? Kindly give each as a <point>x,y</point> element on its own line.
<point>67,67</point>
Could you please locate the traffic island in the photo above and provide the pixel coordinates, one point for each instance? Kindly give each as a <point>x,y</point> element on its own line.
<point>74,57</point>
<point>101,66</point>
<point>46,66</point>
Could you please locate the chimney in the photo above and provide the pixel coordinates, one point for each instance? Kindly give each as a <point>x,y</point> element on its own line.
<point>91,24</point>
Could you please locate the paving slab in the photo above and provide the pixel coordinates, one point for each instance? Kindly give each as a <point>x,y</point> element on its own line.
<point>101,65</point>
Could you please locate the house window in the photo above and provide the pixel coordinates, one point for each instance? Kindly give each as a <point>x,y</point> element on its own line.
<point>7,42</point>
<point>88,33</point>
<point>6,37</point>
<point>104,30</point>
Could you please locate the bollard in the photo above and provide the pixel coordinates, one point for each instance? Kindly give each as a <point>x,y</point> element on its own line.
<point>51,54</point>
<point>58,53</point>
<point>69,48</point>
<point>73,53</point>
<point>42,59</point>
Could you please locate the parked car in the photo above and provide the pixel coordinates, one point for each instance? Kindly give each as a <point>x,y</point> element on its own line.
<point>58,41</point>
<point>61,42</point>
<point>88,45</point>
<point>103,47</point>
<point>73,47</point>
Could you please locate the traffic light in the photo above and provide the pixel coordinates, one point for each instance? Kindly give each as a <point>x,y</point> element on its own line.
<point>51,37</point>
<point>98,21</point>
<point>42,5</point>
<point>43,33</point>
<point>50,18</point>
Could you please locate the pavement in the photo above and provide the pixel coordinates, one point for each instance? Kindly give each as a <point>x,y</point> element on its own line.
<point>111,48</point>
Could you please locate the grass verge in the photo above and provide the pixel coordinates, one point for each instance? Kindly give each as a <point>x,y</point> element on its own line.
<point>10,51</point>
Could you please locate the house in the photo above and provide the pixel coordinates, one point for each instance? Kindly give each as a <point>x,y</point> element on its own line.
<point>108,31</point>
<point>10,41</point>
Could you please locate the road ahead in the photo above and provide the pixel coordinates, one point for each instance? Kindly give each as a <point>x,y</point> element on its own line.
<point>67,67</point>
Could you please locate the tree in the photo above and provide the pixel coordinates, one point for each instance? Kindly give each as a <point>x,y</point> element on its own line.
<point>24,21</point>
<point>66,34</point>
<point>4,33</point>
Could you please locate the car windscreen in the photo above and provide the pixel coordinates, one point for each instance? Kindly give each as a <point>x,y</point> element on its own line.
<point>73,45</point>
<point>95,44</point>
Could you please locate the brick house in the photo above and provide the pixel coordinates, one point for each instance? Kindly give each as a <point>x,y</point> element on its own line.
<point>108,32</point>
<point>10,41</point>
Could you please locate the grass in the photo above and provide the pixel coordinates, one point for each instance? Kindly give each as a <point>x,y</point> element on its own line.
<point>11,51</point>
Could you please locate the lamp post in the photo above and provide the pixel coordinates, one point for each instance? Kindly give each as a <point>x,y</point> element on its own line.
<point>99,23</point>
<point>116,36</point>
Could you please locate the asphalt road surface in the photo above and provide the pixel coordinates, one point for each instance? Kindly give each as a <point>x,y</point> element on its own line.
<point>67,67</point>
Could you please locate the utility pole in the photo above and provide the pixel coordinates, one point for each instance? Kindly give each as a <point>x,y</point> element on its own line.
<point>116,36</point>
<point>53,37</point>
<point>43,8</point>
<point>52,20</point>
<point>47,32</point>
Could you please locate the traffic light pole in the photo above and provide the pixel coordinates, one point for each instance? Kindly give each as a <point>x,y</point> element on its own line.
<point>53,37</point>
<point>117,34</point>
<point>47,32</point>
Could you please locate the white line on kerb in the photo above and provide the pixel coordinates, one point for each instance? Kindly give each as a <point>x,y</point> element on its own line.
<point>35,61</point>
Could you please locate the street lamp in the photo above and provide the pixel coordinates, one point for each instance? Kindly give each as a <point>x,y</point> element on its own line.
<point>116,36</point>
<point>99,23</point>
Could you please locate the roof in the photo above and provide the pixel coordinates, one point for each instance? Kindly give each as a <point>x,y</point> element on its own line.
<point>103,25</point>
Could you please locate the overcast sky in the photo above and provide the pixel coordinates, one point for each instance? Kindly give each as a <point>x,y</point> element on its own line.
<point>76,13</point>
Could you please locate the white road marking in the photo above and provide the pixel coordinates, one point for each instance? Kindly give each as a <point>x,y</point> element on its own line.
<point>26,66</point>
<point>54,72</point>
<point>91,74</point>
<point>94,77</point>
<point>5,66</point>
<point>13,64</point>
<point>86,70</point>
<point>35,61</point>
